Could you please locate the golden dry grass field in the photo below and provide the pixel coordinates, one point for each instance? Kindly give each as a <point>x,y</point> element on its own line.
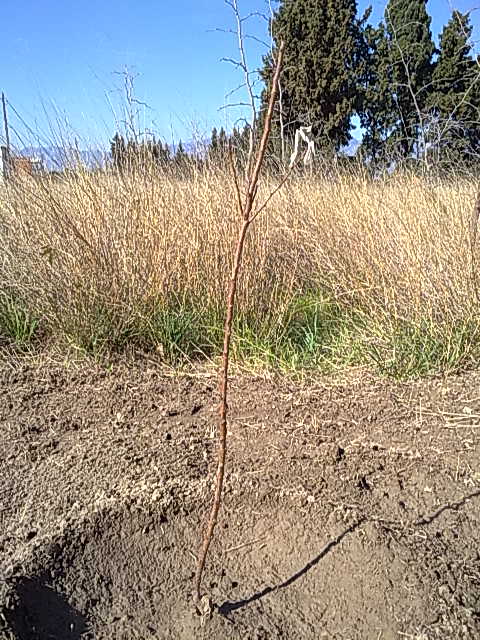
<point>338,271</point>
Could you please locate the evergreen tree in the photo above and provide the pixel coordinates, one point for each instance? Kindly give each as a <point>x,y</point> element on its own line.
<point>165,154</point>
<point>244,141</point>
<point>213,148</point>
<point>156,150</point>
<point>240,141</point>
<point>218,147</point>
<point>181,156</point>
<point>409,71</point>
<point>455,99</point>
<point>319,78</point>
<point>376,101</point>
<point>161,153</point>
<point>214,140</point>
<point>222,144</point>
<point>118,152</point>
<point>131,153</point>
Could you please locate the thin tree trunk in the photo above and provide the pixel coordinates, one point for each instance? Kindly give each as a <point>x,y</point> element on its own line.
<point>246,209</point>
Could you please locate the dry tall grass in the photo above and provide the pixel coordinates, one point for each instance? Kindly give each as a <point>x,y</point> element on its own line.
<point>396,250</point>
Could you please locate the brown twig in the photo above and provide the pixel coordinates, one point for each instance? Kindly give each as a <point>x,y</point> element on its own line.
<point>473,245</point>
<point>246,210</point>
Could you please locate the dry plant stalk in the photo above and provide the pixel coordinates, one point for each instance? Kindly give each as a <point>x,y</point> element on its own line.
<point>246,210</point>
<point>473,244</point>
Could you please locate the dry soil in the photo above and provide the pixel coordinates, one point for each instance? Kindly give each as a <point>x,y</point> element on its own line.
<point>352,509</point>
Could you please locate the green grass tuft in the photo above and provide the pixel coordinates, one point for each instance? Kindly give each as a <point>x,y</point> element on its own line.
<point>17,324</point>
<point>177,331</point>
<point>404,350</point>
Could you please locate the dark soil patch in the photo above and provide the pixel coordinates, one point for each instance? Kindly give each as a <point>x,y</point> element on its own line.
<point>351,510</point>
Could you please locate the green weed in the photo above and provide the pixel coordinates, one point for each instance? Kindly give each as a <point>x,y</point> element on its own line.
<point>17,324</point>
<point>403,350</point>
<point>177,331</point>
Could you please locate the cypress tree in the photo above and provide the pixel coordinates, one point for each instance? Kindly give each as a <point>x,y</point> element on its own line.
<point>181,155</point>
<point>165,153</point>
<point>455,99</point>
<point>222,143</point>
<point>243,143</point>
<point>411,49</point>
<point>377,104</point>
<point>218,145</point>
<point>213,146</point>
<point>118,151</point>
<point>319,78</point>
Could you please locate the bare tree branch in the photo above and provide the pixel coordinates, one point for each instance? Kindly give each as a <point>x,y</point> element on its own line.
<point>245,209</point>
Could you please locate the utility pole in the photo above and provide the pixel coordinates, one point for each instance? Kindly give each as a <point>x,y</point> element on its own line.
<point>5,122</point>
<point>6,152</point>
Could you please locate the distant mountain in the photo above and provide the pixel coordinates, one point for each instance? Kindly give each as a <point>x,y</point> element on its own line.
<point>56,158</point>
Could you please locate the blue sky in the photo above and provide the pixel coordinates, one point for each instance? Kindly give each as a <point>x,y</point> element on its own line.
<point>59,58</point>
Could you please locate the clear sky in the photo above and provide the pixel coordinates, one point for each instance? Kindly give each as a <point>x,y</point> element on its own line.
<point>59,58</point>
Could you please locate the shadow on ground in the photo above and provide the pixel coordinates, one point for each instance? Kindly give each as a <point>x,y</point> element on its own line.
<point>41,613</point>
<point>229,607</point>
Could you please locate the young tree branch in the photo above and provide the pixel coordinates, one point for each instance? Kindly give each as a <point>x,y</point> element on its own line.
<point>245,208</point>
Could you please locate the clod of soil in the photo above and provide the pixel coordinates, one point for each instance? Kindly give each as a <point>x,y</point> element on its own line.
<point>352,511</point>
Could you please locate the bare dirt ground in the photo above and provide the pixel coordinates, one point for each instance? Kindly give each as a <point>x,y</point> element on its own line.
<point>352,510</point>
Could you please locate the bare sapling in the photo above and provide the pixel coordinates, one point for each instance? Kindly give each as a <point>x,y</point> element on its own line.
<point>247,213</point>
<point>473,245</point>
